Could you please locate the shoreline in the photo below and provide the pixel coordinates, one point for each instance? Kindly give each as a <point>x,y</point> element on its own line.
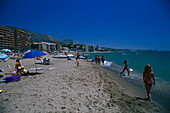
<point>132,90</point>
<point>160,92</point>
<point>89,88</point>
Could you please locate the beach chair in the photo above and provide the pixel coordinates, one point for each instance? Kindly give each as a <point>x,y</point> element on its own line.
<point>47,62</point>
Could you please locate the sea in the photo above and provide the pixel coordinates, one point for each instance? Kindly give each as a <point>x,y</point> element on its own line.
<point>159,61</point>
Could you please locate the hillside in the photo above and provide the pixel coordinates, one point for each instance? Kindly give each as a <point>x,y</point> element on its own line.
<point>69,41</point>
<point>38,37</point>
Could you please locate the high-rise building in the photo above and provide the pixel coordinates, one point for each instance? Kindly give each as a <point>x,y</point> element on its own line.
<point>6,38</point>
<point>22,39</point>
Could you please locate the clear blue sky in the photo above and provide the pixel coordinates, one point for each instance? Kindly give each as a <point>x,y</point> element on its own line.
<point>132,24</point>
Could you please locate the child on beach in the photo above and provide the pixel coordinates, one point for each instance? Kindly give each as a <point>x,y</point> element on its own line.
<point>77,62</point>
<point>126,67</point>
<point>147,78</point>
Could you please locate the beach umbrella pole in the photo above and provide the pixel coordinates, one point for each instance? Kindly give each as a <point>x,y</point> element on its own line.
<point>35,65</point>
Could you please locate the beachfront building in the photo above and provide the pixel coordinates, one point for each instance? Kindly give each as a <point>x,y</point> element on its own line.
<point>86,48</point>
<point>65,49</point>
<point>21,40</point>
<point>44,46</point>
<point>36,45</point>
<point>6,38</point>
<point>48,46</point>
<point>58,47</point>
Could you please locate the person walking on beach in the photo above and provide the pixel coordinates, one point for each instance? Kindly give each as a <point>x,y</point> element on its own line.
<point>102,59</point>
<point>77,62</point>
<point>96,58</point>
<point>126,67</point>
<point>148,75</point>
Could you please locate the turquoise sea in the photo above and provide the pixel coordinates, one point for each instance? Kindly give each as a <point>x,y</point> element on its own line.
<point>159,61</point>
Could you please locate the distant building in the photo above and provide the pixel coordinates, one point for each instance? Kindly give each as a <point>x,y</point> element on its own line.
<point>86,48</point>
<point>45,46</point>
<point>6,38</point>
<point>91,48</point>
<point>35,46</point>
<point>21,39</point>
<point>58,47</point>
<point>65,49</point>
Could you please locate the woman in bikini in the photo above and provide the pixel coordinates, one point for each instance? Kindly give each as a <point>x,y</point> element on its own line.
<point>148,75</point>
<point>126,67</point>
<point>102,59</point>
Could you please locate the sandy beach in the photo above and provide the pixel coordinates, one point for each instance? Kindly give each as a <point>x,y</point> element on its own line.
<point>86,89</point>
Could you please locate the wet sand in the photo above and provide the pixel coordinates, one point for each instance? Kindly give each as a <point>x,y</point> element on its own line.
<point>66,88</point>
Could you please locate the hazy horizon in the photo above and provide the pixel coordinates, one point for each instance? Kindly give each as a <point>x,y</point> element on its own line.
<point>117,24</point>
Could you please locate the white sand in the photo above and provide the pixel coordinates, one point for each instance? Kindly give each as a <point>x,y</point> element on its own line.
<point>67,88</point>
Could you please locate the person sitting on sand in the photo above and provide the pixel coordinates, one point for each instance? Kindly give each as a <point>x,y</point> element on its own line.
<point>77,62</point>
<point>102,59</point>
<point>68,58</point>
<point>148,75</point>
<point>126,67</point>
<point>18,67</point>
<point>44,60</point>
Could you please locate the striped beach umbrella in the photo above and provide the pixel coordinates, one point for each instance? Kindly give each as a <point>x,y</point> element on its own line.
<point>6,50</point>
<point>3,56</point>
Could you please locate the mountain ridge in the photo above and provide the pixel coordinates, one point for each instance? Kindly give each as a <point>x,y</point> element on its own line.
<point>69,41</point>
<point>38,37</point>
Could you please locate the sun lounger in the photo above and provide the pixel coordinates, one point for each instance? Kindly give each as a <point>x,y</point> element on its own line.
<point>33,69</point>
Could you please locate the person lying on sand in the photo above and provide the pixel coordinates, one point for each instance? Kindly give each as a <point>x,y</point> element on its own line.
<point>147,78</point>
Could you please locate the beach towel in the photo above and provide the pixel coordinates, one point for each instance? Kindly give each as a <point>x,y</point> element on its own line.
<point>12,78</point>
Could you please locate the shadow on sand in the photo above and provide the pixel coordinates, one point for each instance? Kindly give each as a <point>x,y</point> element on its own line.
<point>140,98</point>
<point>31,74</point>
<point>1,76</point>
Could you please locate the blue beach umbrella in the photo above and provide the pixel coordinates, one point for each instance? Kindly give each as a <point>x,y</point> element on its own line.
<point>33,54</point>
<point>3,56</point>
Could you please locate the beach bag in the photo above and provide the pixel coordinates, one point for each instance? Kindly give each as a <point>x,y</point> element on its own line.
<point>12,78</point>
